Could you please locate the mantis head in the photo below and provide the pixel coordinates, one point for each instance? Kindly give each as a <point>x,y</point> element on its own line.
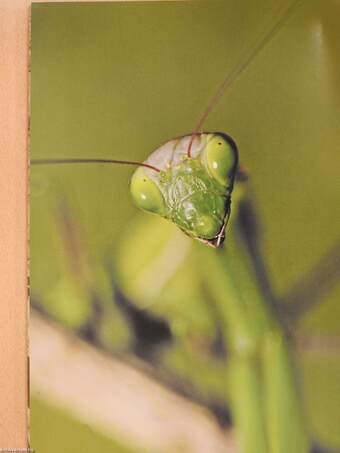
<point>193,191</point>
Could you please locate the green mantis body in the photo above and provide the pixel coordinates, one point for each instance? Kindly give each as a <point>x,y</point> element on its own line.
<point>189,181</point>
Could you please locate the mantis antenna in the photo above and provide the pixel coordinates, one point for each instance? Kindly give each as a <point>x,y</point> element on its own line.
<point>91,161</point>
<point>231,77</point>
<point>237,70</point>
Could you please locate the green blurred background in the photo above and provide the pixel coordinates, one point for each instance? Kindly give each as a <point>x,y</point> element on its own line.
<point>115,80</point>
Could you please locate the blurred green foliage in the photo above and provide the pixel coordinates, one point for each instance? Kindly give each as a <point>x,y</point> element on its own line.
<point>115,81</point>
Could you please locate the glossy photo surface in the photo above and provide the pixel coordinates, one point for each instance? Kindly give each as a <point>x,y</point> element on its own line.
<point>121,80</point>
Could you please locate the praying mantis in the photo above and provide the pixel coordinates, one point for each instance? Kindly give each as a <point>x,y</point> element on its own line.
<point>210,165</point>
<point>163,185</point>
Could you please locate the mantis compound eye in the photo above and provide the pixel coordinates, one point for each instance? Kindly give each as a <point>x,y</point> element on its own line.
<point>220,158</point>
<point>146,194</point>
